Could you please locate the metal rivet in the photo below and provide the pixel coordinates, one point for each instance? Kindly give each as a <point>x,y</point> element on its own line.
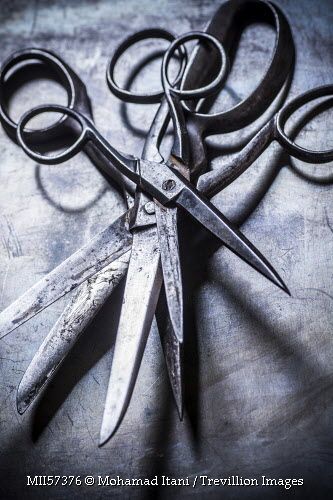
<point>150,207</point>
<point>169,185</point>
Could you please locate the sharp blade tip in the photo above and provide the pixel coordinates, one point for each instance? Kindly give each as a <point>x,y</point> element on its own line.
<point>105,436</point>
<point>102,441</point>
<point>180,411</point>
<point>178,399</point>
<point>272,275</point>
<point>108,429</point>
<point>281,284</point>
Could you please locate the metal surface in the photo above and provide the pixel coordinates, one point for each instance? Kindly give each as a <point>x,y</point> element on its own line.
<point>264,374</point>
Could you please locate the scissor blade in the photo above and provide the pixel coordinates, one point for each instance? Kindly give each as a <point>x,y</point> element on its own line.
<point>103,249</point>
<point>166,219</point>
<point>82,308</point>
<point>173,352</point>
<point>142,289</point>
<point>213,220</point>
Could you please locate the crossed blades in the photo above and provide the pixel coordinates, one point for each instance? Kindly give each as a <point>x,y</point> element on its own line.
<point>144,244</point>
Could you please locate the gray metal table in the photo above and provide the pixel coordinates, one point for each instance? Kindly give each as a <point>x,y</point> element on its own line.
<point>259,379</point>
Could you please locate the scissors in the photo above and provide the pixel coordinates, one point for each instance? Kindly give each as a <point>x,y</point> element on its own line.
<point>116,240</point>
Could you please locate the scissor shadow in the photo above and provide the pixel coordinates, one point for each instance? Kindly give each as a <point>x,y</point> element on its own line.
<point>196,254</point>
<point>63,136</point>
<point>124,107</point>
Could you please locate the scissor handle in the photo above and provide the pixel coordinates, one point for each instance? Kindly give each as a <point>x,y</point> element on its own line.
<point>214,181</point>
<point>70,151</point>
<point>175,96</point>
<point>205,90</point>
<point>127,165</point>
<point>285,113</point>
<point>141,97</point>
<point>77,96</point>
<point>77,99</point>
<point>227,25</point>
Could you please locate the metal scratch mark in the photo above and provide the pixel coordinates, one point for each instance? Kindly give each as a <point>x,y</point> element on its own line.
<point>34,18</point>
<point>10,240</point>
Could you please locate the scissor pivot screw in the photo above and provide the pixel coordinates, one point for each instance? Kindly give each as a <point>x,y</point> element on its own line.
<point>169,185</point>
<point>150,207</point>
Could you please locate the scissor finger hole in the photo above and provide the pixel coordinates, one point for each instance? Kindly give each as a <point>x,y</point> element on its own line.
<point>19,90</point>
<point>132,53</point>
<point>18,79</point>
<point>303,124</point>
<point>217,81</point>
<point>71,143</point>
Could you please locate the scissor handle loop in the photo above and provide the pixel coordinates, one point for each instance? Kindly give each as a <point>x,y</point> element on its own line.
<point>75,88</point>
<point>206,90</point>
<point>136,97</point>
<point>284,114</point>
<point>69,152</point>
<point>181,145</point>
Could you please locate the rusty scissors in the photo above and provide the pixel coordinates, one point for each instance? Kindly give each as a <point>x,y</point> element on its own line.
<point>143,242</point>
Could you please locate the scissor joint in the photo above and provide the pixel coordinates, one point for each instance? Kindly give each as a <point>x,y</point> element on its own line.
<point>160,181</point>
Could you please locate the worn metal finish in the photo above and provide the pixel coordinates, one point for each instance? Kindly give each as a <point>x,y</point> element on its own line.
<point>227,233</point>
<point>173,353</point>
<point>143,283</point>
<point>170,260</point>
<point>80,311</point>
<point>144,278</point>
<point>102,250</point>
<point>264,374</point>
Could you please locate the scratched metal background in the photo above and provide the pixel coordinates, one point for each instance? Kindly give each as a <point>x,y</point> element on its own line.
<point>259,377</point>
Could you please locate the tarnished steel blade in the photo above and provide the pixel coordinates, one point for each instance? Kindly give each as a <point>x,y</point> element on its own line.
<point>142,289</point>
<point>103,249</point>
<point>173,352</point>
<point>213,220</point>
<point>166,219</point>
<point>81,309</point>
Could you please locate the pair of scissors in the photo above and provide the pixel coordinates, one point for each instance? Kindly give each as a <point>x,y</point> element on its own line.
<point>180,152</point>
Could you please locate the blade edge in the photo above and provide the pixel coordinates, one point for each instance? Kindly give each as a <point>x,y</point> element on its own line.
<point>213,220</point>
